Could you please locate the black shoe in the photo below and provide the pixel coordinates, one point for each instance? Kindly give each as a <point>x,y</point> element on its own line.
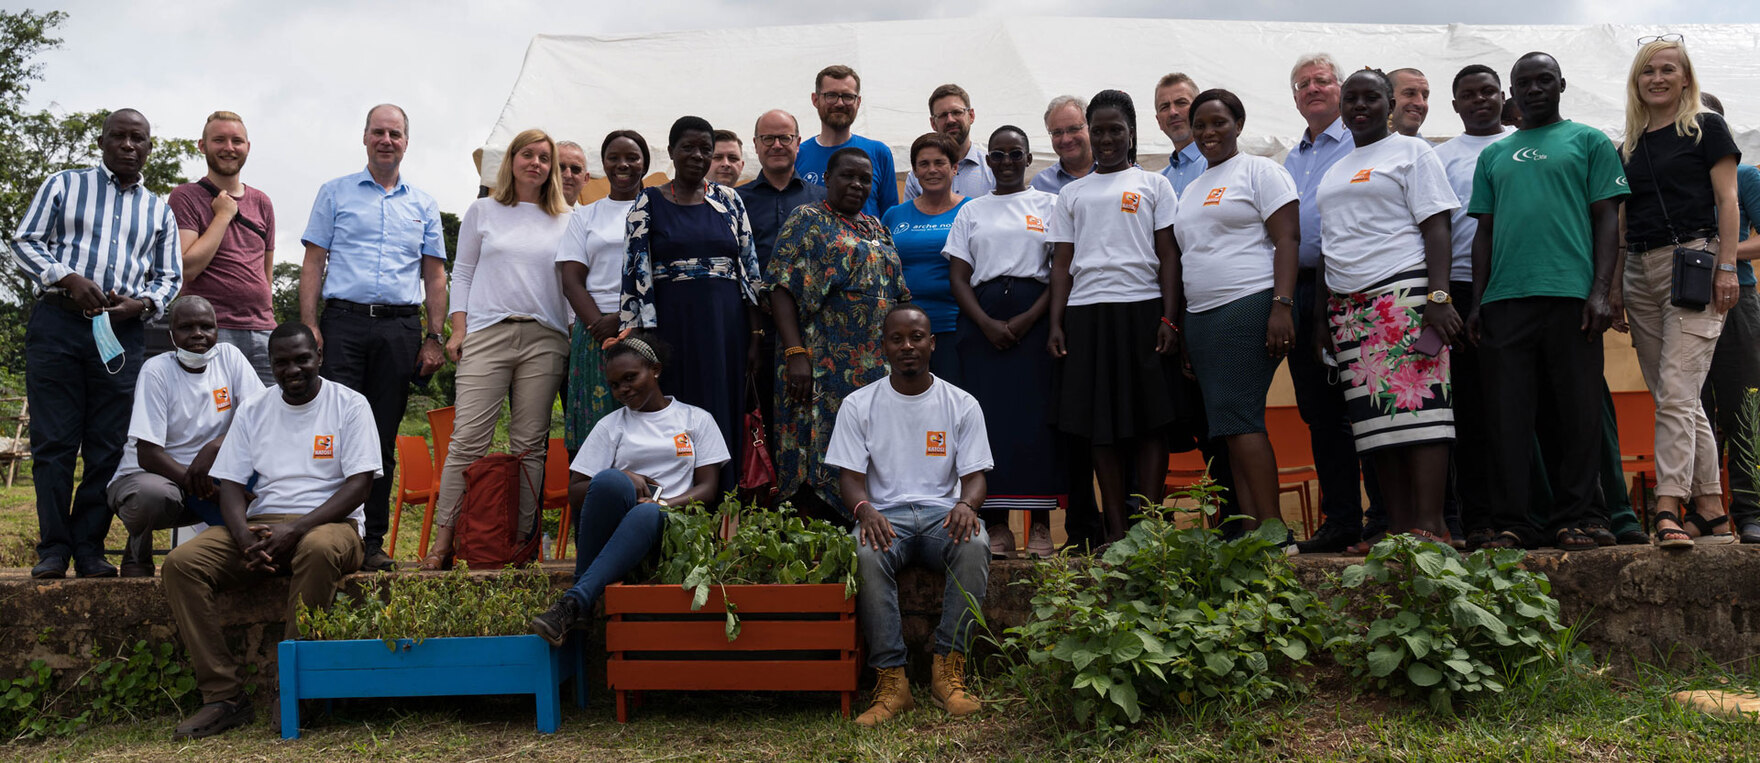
<point>555,623</point>
<point>1603,536</point>
<point>378,561</point>
<point>1329,539</point>
<point>93,567</point>
<point>1641,538</point>
<point>1750,532</point>
<point>137,556</point>
<point>214,718</point>
<point>50,568</point>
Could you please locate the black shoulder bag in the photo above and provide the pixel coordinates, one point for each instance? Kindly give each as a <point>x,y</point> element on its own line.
<point>214,190</point>
<point>1694,269</point>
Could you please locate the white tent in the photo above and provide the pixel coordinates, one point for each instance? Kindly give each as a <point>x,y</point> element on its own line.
<point>580,88</point>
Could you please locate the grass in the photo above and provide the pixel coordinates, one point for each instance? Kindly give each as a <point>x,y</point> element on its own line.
<point>1575,717</point>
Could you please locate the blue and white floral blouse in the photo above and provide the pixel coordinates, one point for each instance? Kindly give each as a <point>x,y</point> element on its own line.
<point>640,271</point>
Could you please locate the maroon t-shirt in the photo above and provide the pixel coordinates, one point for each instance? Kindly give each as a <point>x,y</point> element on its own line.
<point>234,280</point>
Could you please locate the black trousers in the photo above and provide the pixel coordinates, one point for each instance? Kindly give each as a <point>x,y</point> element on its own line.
<point>1535,362</point>
<point>377,358</point>
<point>1320,401</point>
<point>78,410</point>
<point>1735,368</point>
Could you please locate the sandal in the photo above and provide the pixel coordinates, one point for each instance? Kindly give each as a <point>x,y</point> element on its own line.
<point>1426,536</point>
<point>1573,539</point>
<point>1505,539</point>
<point>1364,546</point>
<point>1707,529</point>
<point>1671,537</point>
<point>1480,537</point>
<point>1599,532</point>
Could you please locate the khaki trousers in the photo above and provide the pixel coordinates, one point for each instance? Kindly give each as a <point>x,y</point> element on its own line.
<point>518,360</point>
<point>1675,346</point>
<point>209,563</point>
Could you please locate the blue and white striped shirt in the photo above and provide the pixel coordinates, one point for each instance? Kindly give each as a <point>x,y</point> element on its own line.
<point>83,221</point>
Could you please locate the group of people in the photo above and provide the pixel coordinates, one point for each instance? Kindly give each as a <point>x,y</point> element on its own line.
<point>994,342</point>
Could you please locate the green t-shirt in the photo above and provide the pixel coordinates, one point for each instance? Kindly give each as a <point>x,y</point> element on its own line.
<point>1537,185</point>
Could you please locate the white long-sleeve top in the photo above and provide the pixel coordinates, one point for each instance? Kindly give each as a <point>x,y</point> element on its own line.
<point>515,248</point>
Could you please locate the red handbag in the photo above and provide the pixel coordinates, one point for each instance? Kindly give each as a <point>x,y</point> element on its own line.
<point>757,473</point>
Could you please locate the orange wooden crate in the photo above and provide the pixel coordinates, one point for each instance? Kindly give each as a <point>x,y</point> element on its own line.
<point>771,620</point>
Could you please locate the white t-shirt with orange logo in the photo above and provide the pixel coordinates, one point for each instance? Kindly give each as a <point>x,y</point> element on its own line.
<point>666,445</point>
<point>182,411</point>
<point>1225,251</point>
<point>1112,218</point>
<point>1003,236</point>
<point>1371,202</point>
<point>300,453</point>
<point>914,448</point>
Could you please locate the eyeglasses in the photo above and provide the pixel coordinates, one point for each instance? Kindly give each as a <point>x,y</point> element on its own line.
<point>1067,131</point>
<point>1670,37</point>
<point>1321,81</point>
<point>777,140</point>
<point>1014,155</point>
<point>574,169</point>
<point>849,98</point>
<point>951,114</point>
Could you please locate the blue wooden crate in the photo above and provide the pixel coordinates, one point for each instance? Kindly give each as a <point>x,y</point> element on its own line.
<point>435,667</point>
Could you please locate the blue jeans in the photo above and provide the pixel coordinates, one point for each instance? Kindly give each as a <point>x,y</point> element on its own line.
<point>921,540</point>
<point>614,532</point>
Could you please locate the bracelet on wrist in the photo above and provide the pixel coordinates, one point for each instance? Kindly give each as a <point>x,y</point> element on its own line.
<point>1170,324</point>
<point>966,503</point>
<point>793,351</point>
<point>859,505</point>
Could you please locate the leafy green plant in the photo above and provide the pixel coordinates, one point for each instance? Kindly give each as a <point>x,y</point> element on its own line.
<point>392,607</point>
<point>145,681</point>
<point>766,546</point>
<point>1166,617</point>
<point>1431,622</point>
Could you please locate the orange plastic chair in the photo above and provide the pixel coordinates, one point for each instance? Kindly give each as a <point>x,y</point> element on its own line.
<point>416,483</point>
<point>1636,413</point>
<point>556,493</point>
<point>1295,451</point>
<point>440,423</point>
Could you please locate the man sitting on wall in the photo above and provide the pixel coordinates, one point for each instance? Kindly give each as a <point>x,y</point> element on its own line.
<point>314,451</point>
<point>913,451</point>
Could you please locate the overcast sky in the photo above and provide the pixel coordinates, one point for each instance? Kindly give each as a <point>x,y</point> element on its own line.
<point>303,73</point>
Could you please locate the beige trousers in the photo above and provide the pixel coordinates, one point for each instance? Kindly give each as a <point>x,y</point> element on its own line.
<point>1674,347</point>
<point>518,359</point>
<point>210,562</point>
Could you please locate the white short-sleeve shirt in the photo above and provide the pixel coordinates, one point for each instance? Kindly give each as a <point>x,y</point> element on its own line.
<point>1225,251</point>
<point>913,448</point>
<point>1371,202</point>
<point>595,238</point>
<point>300,453</point>
<point>506,265</point>
<point>1460,159</point>
<point>1112,218</point>
<point>666,445</point>
<point>182,411</point>
<point>1003,236</point>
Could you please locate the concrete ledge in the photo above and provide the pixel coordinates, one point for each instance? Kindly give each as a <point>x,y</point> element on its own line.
<point>1639,604</point>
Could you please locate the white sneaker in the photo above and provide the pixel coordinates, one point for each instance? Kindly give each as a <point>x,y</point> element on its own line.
<point>1001,541</point>
<point>1039,541</point>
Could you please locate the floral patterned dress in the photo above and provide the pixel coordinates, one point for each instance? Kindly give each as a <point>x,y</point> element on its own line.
<point>844,275</point>
<point>1397,395</point>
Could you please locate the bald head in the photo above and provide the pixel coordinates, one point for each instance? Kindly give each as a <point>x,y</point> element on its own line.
<point>190,304</point>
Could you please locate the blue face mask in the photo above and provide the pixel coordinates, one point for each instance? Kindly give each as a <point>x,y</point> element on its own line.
<point>108,347</point>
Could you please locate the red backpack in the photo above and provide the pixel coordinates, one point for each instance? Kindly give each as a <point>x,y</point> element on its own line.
<point>486,535</point>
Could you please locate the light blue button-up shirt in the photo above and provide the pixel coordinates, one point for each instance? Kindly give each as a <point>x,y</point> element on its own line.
<point>1052,179</point>
<point>1308,163</point>
<point>376,239</point>
<point>1184,166</point>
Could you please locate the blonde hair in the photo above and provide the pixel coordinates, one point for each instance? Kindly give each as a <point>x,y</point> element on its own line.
<point>550,197</point>
<point>1686,113</point>
<point>220,116</point>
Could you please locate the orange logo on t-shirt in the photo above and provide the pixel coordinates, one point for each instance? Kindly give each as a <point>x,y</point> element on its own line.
<point>1362,176</point>
<point>937,444</point>
<point>1215,196</point>
<point>682,444</point>
<point>1035,224</point>
<point>324,446</point>
<point>222,399</point>
<point>1129,202</point>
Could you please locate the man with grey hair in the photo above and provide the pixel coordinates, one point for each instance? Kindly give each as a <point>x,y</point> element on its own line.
<point>1411,100</point>
<point>1173,98</point>
<point>571,160</point>
<point>1066,119</point>
<point>375,252</point>
<point>1315,81</point>
<point>183,404</point>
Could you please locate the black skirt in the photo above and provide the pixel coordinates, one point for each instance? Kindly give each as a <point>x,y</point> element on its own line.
<point>704,320</point>
<point>1113,386</point>
<point>1013,388</point>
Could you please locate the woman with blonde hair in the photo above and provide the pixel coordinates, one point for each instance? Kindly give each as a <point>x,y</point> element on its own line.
<point>509,327</point>
<point>1680,161</point>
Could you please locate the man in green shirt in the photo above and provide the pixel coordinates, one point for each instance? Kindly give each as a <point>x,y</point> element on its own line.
<point>1547,201</point>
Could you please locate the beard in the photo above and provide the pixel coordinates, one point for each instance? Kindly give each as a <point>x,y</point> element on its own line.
<point>837,119</point>
<point>219,166</point>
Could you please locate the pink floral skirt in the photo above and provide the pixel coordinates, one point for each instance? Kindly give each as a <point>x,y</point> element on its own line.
<point>1397,396</point>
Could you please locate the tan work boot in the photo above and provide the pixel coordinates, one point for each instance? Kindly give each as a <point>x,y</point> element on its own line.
<point>892,695</point>
<point>948,687</point>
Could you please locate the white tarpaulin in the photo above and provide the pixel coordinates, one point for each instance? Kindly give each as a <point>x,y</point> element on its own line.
<point>579,88</point>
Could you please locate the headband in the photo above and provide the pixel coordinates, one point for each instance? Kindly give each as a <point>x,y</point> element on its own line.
<point>642,349</point>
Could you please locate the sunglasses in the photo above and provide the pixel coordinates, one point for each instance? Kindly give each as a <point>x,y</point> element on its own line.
<point>1007,156</point>
<point>1671,37</point>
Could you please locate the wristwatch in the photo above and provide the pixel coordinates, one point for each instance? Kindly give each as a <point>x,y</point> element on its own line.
<point>1285,301</point>
<point>435,335</point>
<point>1440,297</point>
<point>1727,267</point>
